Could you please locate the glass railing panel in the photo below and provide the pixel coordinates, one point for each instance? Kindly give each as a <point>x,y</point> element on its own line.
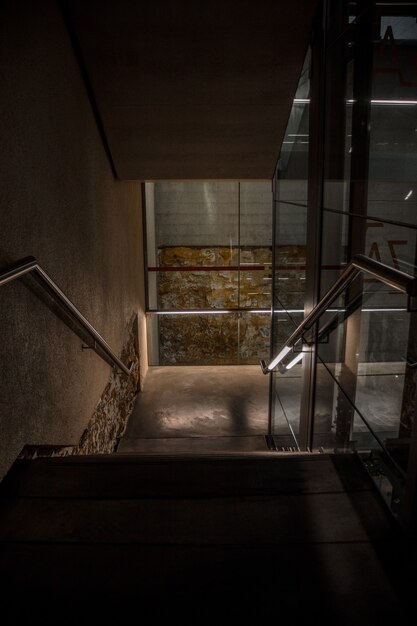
<point>284,324</point>
<point>366,355</point>
<point>329,331</point>
<point>286,397</point>
<point>325,435</point>
<point>379,396</point>
<point>381,465</point>
<point>286,387</point>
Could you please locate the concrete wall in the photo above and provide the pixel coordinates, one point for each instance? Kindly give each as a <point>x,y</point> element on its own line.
<point>61,203</point>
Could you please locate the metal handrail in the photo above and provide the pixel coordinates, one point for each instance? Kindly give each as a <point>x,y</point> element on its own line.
<point>30,264</point>
<point>359,263</point>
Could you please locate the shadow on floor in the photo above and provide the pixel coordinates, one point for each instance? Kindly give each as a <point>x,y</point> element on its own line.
<point>199,406</point>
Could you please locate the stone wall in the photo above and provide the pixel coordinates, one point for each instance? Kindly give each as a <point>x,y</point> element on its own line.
<point>211,288</point>
<point>110,416</point>
<point>228,338</point>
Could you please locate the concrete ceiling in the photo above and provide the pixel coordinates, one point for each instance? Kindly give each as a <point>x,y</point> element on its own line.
<point>193,89</point>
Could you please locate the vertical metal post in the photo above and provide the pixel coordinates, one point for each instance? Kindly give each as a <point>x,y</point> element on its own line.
<point>332,253</point>
<point>362,87</point>
<point>273,288</point>
<point>314,202</point>
<point>151,260</point>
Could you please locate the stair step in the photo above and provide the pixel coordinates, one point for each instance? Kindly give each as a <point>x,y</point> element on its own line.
<point>200,445</point>
<point>167,476</point>
<point>326,584</point>
<point>190,535</point>
<point>249,520</point>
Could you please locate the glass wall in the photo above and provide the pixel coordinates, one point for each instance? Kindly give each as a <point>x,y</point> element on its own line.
<point>356,116</point>
<point>345,184</point>
<point>365,382</point>
<point>209,257</point>
<point>370,175</point>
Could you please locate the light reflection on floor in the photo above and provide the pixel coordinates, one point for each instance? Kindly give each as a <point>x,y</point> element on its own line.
<point>231,402</point>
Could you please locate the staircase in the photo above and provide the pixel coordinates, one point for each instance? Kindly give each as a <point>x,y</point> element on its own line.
<point>198,538</point>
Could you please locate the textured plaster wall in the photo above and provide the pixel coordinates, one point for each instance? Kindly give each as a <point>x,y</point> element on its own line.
<point>61,203</point>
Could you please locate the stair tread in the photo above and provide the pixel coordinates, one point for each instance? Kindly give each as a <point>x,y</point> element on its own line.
<point>306,518</point>
<point>108,476</point>
<point>334,583</point>
<point>201,445</point>
<point>199,531</point>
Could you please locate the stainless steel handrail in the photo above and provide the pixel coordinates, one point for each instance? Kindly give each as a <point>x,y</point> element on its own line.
<point>30,264</point>
<point>359,263</point>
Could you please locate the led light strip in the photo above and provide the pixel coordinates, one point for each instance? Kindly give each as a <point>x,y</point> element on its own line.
<point>381,102</point>
<point>295,360</point>
<point>261,311</point>
<point>209,312</point>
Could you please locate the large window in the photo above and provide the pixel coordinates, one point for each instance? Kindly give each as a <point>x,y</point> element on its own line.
<point>209,256</point>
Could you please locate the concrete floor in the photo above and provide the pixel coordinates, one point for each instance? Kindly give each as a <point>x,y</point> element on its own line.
<point>200,408</point>
<point>225,408</point>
